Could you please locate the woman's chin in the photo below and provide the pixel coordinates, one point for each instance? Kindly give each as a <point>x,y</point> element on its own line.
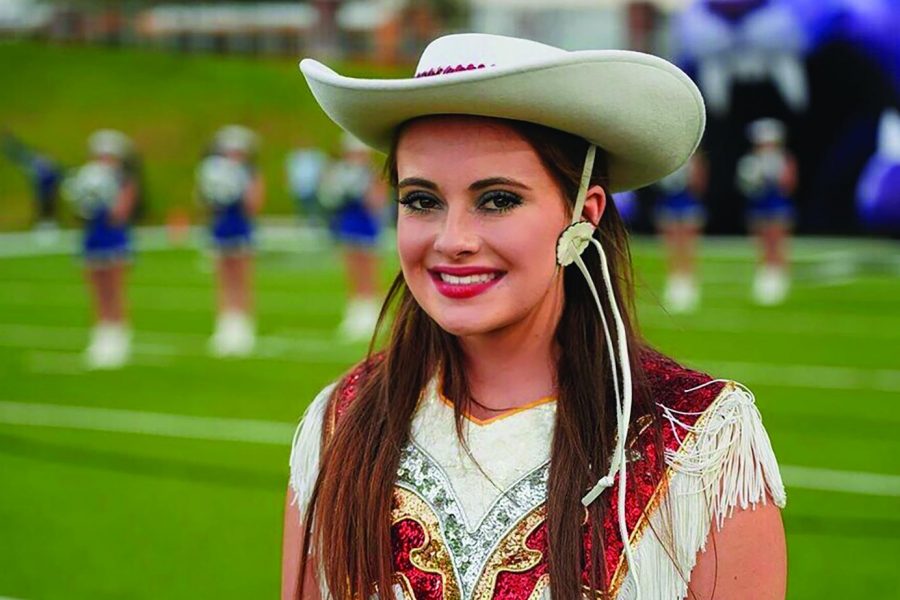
<point>464,323</point>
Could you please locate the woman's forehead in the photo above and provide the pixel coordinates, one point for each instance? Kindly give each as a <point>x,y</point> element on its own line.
<point>461,127</point>
<point>435,143</point>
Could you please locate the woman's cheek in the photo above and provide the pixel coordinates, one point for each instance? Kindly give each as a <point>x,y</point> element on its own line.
<point>529,244</point>
<point>412,245</point>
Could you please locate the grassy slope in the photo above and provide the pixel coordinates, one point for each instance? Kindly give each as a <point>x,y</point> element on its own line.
<point>104,515</point>
<point>54,96</point>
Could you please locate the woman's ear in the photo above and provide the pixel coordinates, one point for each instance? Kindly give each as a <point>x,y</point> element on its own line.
<point>594,205</point>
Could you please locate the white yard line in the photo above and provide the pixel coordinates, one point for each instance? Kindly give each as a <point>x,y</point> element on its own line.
<point>278,433</point>
<point>849,482</point>
<point>724,320</point>
<point>146,423</point>
<point>804,376</point>
<point>320,348</point>
<point>152,348</point>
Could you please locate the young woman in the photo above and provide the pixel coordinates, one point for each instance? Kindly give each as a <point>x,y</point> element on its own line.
<point>517,439</point>
<point>679,219</point>
<point>356,199</point>
<point>233,190</point>
<point>105,192</point>
<point>767,175</point>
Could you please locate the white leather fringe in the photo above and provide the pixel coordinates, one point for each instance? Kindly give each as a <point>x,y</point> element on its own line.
<point>306,449</point>
<point>305,455</point>
<point>725,462</point>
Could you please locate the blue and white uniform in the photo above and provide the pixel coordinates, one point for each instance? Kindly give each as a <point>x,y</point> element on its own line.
<point>94,190</point>
<point>305,167</point>
<point>224,183</point>
<point>759,177</point>
<point>677,204</point>
<point>343,191</point>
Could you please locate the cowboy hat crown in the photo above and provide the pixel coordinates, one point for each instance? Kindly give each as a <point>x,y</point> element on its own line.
<point>643,111</point>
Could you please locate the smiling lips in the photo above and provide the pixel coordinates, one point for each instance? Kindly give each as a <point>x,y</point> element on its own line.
<point>464,282</point>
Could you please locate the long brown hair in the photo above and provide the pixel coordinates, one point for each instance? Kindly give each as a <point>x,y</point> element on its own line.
<point>347,523</point>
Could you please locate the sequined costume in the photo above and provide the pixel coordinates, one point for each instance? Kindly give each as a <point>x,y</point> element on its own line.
<point>457,535</point>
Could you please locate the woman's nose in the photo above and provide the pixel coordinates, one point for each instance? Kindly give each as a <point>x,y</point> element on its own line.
<point>457,236</point>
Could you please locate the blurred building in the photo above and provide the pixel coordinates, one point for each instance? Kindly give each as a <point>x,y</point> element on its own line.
<point>579,24</point>
<point>243,28</point>
<point>386,31</point>
<point>23,16</point>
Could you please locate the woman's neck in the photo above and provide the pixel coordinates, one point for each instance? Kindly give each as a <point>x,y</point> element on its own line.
<point>514,366</point>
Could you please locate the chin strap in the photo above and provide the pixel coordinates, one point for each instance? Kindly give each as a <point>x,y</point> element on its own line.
<point>572,243</point>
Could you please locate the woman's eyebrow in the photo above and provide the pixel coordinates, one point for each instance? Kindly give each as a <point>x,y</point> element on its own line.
<point>418,182</point>
<point>474,187</point>
<point>484,183</point>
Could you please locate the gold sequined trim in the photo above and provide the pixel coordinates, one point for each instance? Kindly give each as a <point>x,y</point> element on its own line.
<point>511,554</point>
<point>432,556</point>
<point>330,420</point>
<point>542,584</point>
<point>406,588</point>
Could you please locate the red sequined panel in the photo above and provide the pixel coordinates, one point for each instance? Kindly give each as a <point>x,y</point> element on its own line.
<point>346,392</point>
<point>519,586</point>
<point>668,383</point>
<point>406,536</point>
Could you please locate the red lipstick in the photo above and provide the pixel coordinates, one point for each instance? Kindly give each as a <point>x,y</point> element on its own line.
<point>464,282</point>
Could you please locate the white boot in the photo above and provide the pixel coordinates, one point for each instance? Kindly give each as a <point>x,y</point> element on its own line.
<point>110,346</point>
<point>234,335</point>
<point>360,318</point>
<point>771,285</point>
<point>681,294</point>
<point>243,336</point>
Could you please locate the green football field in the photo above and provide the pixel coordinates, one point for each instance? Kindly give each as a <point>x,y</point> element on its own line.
<point>166,479</point>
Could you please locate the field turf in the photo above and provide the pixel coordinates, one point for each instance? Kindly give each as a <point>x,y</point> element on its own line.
<point>125,485</point>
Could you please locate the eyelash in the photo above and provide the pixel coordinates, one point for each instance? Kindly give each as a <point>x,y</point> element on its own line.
<point>512,200</point>
<point>408,201</point>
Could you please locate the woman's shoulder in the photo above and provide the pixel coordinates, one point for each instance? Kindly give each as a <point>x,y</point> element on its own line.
<point>671,385</point>
<point>346,389</point>
<point>716,458</point>
<point>697,412</point>
<point>318,423</point>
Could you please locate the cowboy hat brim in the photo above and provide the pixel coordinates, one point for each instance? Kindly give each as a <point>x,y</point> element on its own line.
<point>642,110</point>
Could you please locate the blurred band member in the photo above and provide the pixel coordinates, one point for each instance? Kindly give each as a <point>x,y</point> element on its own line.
<point>104,193</point>
<point>767,176</point>
<point>45,176</point>
<point>304,168</point>
<point>233,191</point>
<point>680,217</point>
<point>356,198</point>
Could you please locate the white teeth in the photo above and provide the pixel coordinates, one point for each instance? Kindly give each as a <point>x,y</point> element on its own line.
<point>468,279</point>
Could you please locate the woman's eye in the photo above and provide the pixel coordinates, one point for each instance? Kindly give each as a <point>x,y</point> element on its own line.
<point>499,201</point>
<point>419,201</point>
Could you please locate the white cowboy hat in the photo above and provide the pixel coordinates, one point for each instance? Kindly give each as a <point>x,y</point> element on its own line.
<point>351,143</point>
<point>642,110</point>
